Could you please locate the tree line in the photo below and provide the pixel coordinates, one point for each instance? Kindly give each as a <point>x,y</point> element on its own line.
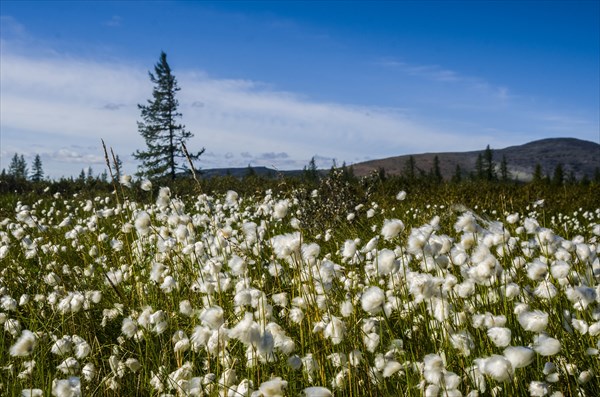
<point>18,169</point>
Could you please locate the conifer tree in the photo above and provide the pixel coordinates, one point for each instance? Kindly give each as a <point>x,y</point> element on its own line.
<point>504,174</point>
<point>18,167</point>
<point>537,173</point>
<point>410,169</point>
<point>310,172</point>
<point>457,177</point>
<point>559,175</point>
<point>37,172</point>
<point>488,163</point>
<point>160,128</point>
<point>436,172</point>
<point>479,168</point>
<point>118,167</point>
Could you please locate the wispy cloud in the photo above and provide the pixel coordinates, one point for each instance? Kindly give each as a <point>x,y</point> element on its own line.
<point>9,26</point>
<point>114,21</point>
<point>58,101</point>
<point>430,72</point>
<point>442,75</point>
<point>53,100</point>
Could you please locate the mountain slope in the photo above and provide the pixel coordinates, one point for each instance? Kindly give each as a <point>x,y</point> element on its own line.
<point>576,156</point>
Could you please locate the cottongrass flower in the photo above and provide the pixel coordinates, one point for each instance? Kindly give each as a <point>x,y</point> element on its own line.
<point>142,223</point>
<point>581,297</point>
<point>580,326</point>
<point>585,376</point>
<point>534,321</point>
<point>372,300</point>
<point>66,387</point>
<point>466,223</point>
<point>391,367</point>
<point>62,346</point>
<point>146,185</point>
<point>294,362</point>
<point>69,366</point>
<point>386,262</point>
<point>546,345</point>
<point>28,369</point>
<point>500,336</point>
<point>433,367</point>
<point>371,341</point>
<point>8,303</point>
<point>169,285</point>
<point>391,228</point>
<point>519,356</point>
<point>346,308</point>
<point>401,195</point>
<point>280,209</point>
<point>537,270</point>
<point>12,326</point>
<point>496,367</point>
<point>317,391</point>
<point>538,389</point>
<point>349,249</point>
<point>88,371</point>
<point>24,345</point>
<point>463,342</point>
<point>32,393</point>
<point>335,330</point>
<point>273,388</point>
<point>246,331</point>
<point>125,180</point>
<point>81,348</point>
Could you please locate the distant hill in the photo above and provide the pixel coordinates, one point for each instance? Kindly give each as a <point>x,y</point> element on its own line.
<point>577,156</point>
<point>240,172</point>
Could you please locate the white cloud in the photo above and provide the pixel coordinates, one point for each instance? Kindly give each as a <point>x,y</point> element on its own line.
<point>60,101</point>
<point>61,107</point>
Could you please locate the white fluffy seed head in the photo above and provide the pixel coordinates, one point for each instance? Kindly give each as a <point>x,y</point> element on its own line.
<point>534,321</point>
<point>372,300</point>
<point>500,336</point>
<point>546,345</point>
<point>498,368</point>
<point>519,356</point>
<point>24,345</point>
<point>391,228</point>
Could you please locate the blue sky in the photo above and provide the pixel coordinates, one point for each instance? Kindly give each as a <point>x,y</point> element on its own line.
<point>276,83</point>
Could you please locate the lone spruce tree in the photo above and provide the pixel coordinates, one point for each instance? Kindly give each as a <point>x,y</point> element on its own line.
<point>160,128</point>
<point>37,172</point>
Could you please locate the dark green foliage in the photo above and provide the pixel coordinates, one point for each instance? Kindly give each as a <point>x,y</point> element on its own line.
<point>334,198</point>
<point>537,174</point>
<point>37,172</point>
<point>410,169</point>
<point>160,128</point>
<point>436,173</point>
<point>18,167</point>
<point>559,175</point>
<point>118,167</point>
<point>489,167</point>
<point>504,174</point>
<point>479,169</point>
<point>457,177</point>
<point>310,172</point>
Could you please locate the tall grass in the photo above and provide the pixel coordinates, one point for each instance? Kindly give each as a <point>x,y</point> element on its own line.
<point>150,293</point>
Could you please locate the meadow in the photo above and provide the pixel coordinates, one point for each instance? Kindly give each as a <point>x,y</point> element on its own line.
<point>328,290</point>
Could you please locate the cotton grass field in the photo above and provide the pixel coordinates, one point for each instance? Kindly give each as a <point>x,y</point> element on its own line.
<point>234,295</point>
